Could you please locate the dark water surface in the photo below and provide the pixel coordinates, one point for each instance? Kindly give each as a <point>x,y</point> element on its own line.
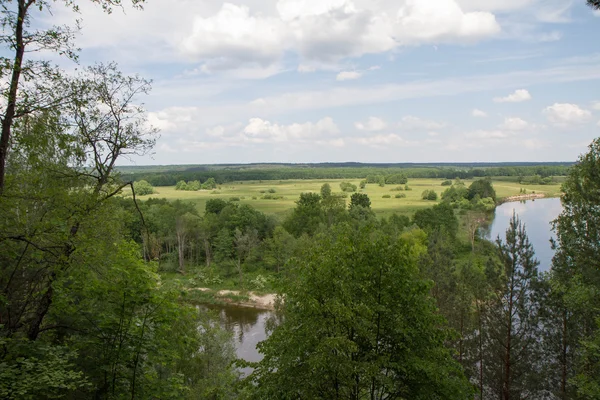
<point>537,215</point>
<point>248,328</point>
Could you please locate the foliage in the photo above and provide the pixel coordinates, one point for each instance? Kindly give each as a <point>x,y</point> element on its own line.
<point>357,322</point>
<point>348,187</point>
<point>439,218</point>
<point>360,200</point>
<point>429,195</point>
<point>447,182</point>
<point>142,188</point>
<point>482,188</point>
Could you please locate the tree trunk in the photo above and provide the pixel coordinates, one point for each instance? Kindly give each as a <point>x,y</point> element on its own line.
<point>9,115</point>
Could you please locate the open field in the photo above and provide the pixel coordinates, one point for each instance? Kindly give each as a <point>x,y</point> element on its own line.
<point>291,189</point>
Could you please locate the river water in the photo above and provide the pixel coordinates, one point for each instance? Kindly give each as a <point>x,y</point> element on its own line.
<point>248,328</point>
<point>537,215</point>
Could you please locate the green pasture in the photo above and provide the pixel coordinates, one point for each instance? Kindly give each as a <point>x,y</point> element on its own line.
<point>291,189</point>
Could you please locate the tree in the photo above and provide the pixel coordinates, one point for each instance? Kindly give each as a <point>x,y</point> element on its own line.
<point>576,269</point>
<point>326,190</point>
<point>209,184</point>
<point>307,216</point>
<point>142,188</point>
<point>360,200</point>
<point>482,188</point>
<point>439,218</point>
<point>244,243</point>
<point>32,85</point>
<point>429,195</point>
<point>513,319</point>
<point>280,247</point>
<point>347,187</point>
<point>214,206</point>
<point>594,4</point>
<point>357,323</point>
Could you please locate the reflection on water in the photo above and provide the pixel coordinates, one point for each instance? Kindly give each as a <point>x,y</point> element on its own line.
<point>537,215</point>
<point>247,326</point>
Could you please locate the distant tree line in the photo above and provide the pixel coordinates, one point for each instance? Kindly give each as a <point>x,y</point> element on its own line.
<point>376,175</point>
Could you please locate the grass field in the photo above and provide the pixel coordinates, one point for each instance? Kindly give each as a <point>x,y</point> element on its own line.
<point>291,190</point>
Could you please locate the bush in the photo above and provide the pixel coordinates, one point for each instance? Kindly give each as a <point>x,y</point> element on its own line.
<point>447,183</point>
<point>271,190</point>
<point>215,192</point>
<point>429,195</point>
<point>234,198</point>
<point>347,187</point>
<point>143,188</point>
<point>407,188</point>
<point>400,195</point>
<point>397,189</point>
<point>386,196</point>
<point>254,198</point>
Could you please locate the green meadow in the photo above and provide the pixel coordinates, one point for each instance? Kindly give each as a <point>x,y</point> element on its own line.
<point>250,192</point>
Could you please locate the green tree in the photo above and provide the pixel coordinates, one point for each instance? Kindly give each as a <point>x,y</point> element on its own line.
<point>325,190</point>
<point>307,216</point>
<point>358,323</point>
<point>360,200</point>
<point>181,185</point>
<point>594,4</point>
<point>576,269</point>
<point>439,218</point>
<point>513,321</point>
<point>482,188</point>
<point>142,188</point>
<point>429,195</point>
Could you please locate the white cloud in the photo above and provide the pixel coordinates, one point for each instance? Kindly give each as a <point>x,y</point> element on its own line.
<point>348,75</point>
<point>596,105</point>
<point>373,124</point>
<point>442,21</point>
<point>234,37</point>
<point>518,96</point>
<point>478,113</point>
<point>263,131</point>
<point>564,114</point>
<point>515,124</point>
<point>410,122</point>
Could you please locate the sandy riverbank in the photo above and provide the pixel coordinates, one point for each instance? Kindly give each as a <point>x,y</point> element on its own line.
<point>247,299</point>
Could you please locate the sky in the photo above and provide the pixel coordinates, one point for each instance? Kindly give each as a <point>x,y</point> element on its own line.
<point>307,81</point>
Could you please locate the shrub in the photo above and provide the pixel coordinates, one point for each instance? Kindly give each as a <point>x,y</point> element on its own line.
<point>234,198</point>
<point>400,195</point>
<point>447,182</point>
<point>347,187</point>
<point>429,195</point>
<point>386,196</point>
<point>397,189</point>
<point>271,190</point>
<point>142,188</point>
<point>407,188</point>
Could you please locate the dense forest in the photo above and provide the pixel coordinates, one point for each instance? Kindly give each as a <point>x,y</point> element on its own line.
<point>222,174</point>
<point>393,308</point>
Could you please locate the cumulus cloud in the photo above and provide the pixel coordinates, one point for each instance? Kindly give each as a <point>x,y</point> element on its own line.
<point>442,21</point>
<point>478,113</point>
<point>564,114</point>
<point>518,96</point>
<point>596,105</point>
<point>373,124</point>
<point>263,131</point>
<point>323,32</point>
<point>515,124</point>
<point>234,37</point>
<point>348,75</point>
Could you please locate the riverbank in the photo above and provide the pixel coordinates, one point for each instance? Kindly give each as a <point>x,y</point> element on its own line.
<point>236,297</point>
<point>523,197</point>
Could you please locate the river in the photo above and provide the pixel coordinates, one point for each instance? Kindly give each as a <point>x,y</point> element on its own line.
<point>537,215</point>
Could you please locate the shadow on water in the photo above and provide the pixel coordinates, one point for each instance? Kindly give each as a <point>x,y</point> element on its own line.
<point>247,326</point>
<point>537,215</point>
